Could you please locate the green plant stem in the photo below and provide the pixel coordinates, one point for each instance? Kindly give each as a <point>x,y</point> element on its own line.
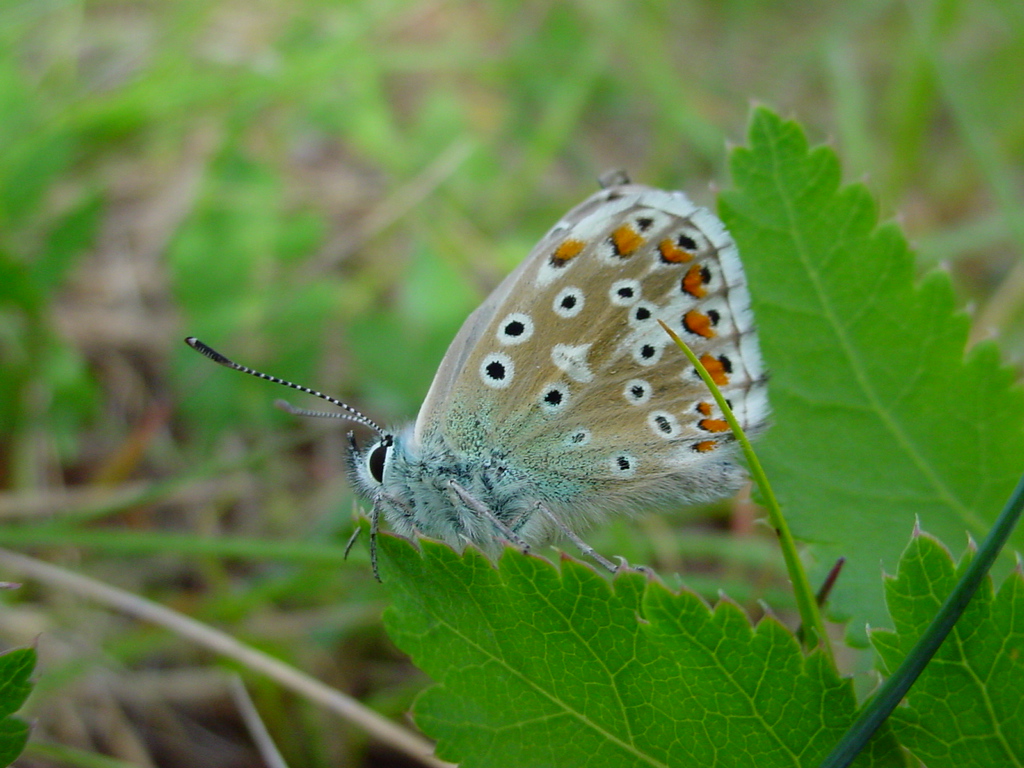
<point>150,543</point>
<point>881,705</point>
<point>807,605</point>
<point>79,758</point>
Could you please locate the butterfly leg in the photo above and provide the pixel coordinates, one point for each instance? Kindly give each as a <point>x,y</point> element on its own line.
<point>351,541</point>
<point>481,509</point>
<point>583,547</point>
<point>374,529</point>
<point>394,503</point>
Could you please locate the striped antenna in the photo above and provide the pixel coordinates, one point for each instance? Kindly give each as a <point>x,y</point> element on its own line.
<point>350,413</point>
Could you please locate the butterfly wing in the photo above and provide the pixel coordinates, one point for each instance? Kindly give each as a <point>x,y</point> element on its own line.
<point>454,362</point>
<point>566,375</point>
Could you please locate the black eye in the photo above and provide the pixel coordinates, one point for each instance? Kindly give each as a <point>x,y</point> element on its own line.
<point>375,461</point>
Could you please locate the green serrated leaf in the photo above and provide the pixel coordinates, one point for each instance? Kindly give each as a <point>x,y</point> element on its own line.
<point>878,415</point>
<point>538,666</point>
<point>13,738</point>
<point>15,669</point>
<point>966,708</point>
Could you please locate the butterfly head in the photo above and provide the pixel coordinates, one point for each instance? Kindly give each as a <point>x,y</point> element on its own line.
<point>370,465</point>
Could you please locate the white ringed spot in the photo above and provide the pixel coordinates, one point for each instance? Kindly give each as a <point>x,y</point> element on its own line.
<point>497,370</point>
<point>642,314</point>
<point>554,398</point>
<point>637,391</point>
<point>515,328</point>
<point>663,424</point>
<point>623,465</point>
<point>577,438</point>
<point>624,293</point>
<point>645,352</point>
<point>569,302</point>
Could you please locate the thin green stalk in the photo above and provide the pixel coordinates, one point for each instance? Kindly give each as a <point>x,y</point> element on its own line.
<point>160,490</point>
<point>143,543</point>
<point>881,705</point>
<point>807,605</point>
<point>78,758</point>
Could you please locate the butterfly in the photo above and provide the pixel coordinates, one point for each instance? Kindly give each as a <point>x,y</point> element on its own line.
<point>562,401</point>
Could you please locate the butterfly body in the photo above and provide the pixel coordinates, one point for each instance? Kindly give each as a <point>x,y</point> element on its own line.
<point>419,493</point>
<point>562,400</point>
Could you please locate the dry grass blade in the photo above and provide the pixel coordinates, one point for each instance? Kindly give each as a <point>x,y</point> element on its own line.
<point>380,728</point>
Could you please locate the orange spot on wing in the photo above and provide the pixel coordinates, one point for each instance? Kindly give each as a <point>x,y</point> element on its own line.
<point>716,368</point>
<point>566,251</point>
<point>626,240</point>
<point>671,252</point>
<point>704,409</point>
<point>705,445</point>
<point>713,425</point>
<point>698,323</point>
<point>693,283</point>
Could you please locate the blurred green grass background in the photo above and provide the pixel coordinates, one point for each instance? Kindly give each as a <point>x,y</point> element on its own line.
<point>324,191</point>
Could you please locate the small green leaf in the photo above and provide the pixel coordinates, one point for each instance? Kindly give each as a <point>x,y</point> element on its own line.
<point>966,709</point>
<point>543,666</point>
<point>878,415</point>
<point>17,288</point>
<point>71,234</point>
<point>15,668</point>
